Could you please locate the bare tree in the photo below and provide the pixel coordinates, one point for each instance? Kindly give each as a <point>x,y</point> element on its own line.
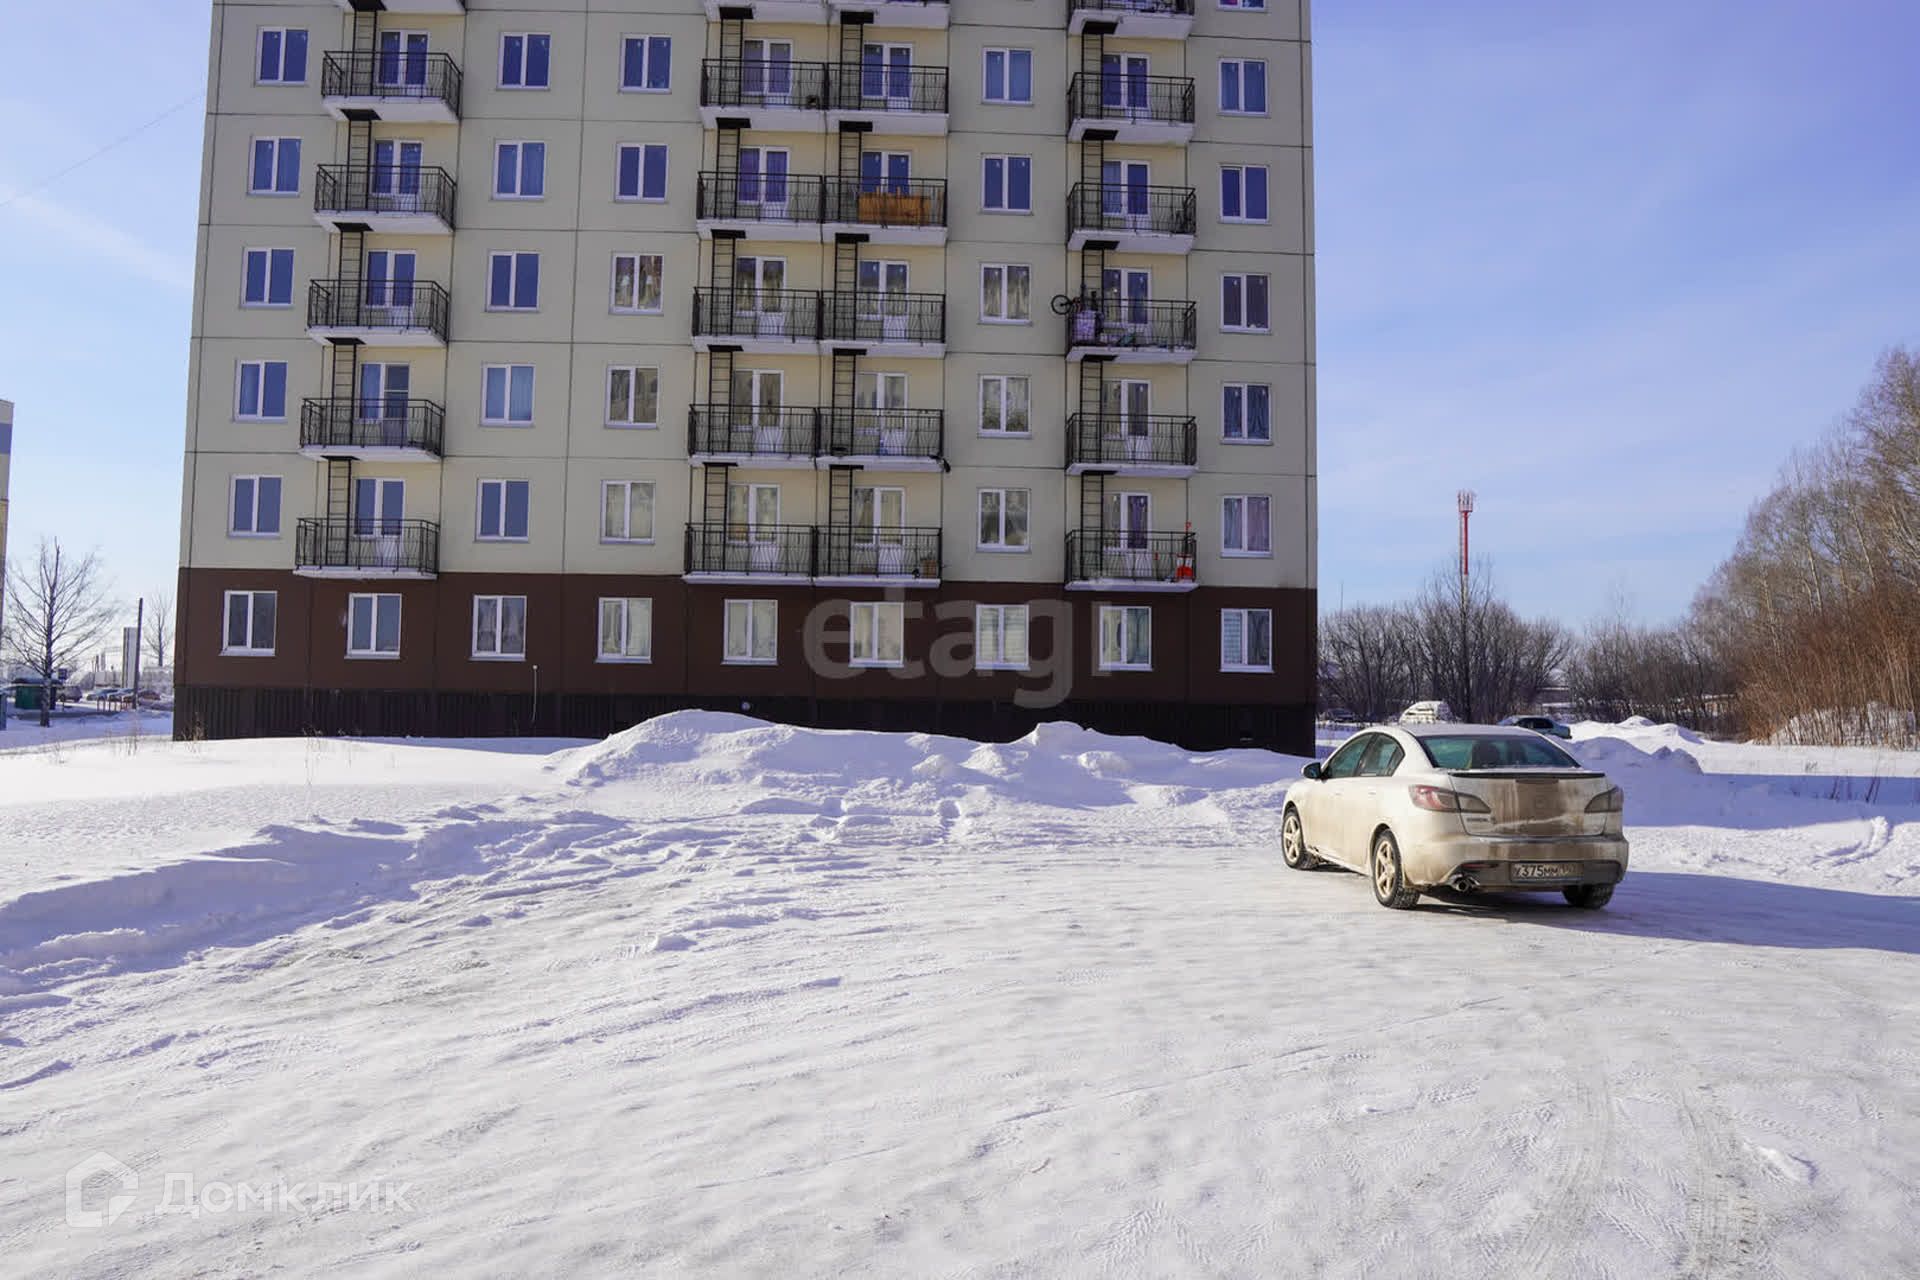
<point>159,636</point>
<point>57,611</point>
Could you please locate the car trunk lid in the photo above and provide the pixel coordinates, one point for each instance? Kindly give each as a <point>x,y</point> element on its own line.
<point>1532,802</point>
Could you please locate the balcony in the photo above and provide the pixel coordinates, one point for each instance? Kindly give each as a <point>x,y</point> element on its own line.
<point>884,439</point>
<point>759,321</point>
<point>413,88</point>
<point>408,201</point>
<point>884,557</point>
<point>763,206</point>
<point>1129,108</point>
<point>752,94</point>
<point>718,551</point>
<point>1133,560</point>
<point>900,324</point>
<point>753,435</point>
<point>373,548</point>
<point>1137,445</point>
<point>888,211</point>
<point>445,8</point>
<point>397,430</point>
<point>928,15</point>
<point>1145,19</point>
<point>888,100</point>
<point>1132,331</point>
<point>378,313</point>
<point>786,12</point>
<point>1130,218</point>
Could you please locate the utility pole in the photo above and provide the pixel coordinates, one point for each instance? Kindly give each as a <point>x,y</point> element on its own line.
<point>1465,500</point>
<point>139,640</point>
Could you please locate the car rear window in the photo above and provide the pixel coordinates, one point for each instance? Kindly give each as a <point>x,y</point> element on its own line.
<point>1494,751</point>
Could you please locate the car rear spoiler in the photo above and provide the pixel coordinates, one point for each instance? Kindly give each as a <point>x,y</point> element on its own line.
<point>1557,775</point>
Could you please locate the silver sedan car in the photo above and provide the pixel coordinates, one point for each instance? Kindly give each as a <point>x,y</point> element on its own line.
<point>1469,807</point>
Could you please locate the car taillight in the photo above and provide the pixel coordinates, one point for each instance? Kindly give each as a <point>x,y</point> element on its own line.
<point>1441,800</point>
<point>1612,800</point>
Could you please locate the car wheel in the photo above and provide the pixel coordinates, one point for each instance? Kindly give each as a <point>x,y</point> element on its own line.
<point>1590,896</point>
<point>1390,887</point>
<point>1293,843</point>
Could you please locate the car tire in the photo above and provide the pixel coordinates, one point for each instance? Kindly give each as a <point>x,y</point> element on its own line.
<point>1390,888</point>
<point>1588,896</point>
<point>1293,843</point>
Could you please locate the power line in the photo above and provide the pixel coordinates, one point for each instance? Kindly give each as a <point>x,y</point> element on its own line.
<point>91,156</point>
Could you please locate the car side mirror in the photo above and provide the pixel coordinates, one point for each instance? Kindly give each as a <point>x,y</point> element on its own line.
<point>1311,771</point>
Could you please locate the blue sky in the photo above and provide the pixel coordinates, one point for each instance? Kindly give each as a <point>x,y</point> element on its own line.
<point>1606,265</point>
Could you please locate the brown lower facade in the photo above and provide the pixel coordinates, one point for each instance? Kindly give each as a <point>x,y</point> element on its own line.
<point>435,686</point>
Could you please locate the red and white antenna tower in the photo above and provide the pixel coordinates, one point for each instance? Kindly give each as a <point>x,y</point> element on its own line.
<point>1466,516</point>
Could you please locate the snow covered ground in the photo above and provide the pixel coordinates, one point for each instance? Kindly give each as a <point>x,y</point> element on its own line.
<point>715,997</point>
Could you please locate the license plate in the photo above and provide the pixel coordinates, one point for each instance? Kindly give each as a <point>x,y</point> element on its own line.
<point>1545,870</point>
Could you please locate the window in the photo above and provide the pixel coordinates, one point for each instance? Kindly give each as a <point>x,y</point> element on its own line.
<point>646,64</point>
<point>1243,86</point>
<point>626,629</point>
<point>269,278</point>
<point>1126,638</point>
<point>262,392</point>
<point>283,55</point>
<point>250,623</point>
<point>642,172</point>
<point>1009,75</point>
<point>1243,4</point>
<point>508,397</point>
<point>499,626</point>
<point>503,511</point>
<point>254,511</point>
<point>373,626</point>
<point>633,396</point>
<point>636,282</point>
<point>750,631</point>
<point>1004,292</point>
<point>1004,405</point>
<point>513,281</point>
<point>878,631</point>
<point>1245,527</point>
<point>1000,637</point>
<point>1383,759</point>
<point>519,170</point>
<point>1003,519</point>
<point>1246,640</point>
<point>1243,412</point>
<point>626,511</point>
<point>1243,302</point>
<point>1243,193</point>
<point>1006,184</point>
<point>524,59</point>
<point>276,167</point>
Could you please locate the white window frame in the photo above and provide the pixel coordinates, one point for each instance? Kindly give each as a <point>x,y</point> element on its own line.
<point>513,302</point>
<point>646,62</point>
<point>753,633</point>
<point>999,613</point>
<point>1239,66</point>
<point>640,195</point>
<point>293,278</point>
<point>1246,618</point>
<point>1006,270</point>
<point>373,599</point>
<point>627,486</point>
<point>999,385</point>
<point>279,511</point>
<point>1130,613</point>
<point>279,142</point>
<point>1246,502</point>
<point>533,390</point>
<point>660,284</point>
<point>480,510</point>
<point>1241,218</point>
<point>1246,413</point>
<point>519,146</point>
<point>260,39</point>
<point>1002,546</point>
<point>496,654</point>
<point>1006,160</point>
<point>1243,277</point>
<point>248,650</point>
<point>500,63</point>
<point>633,372</point>
<point>239,382</point>
<point>1006,74</point>
<point>626,606</point>
<point>864,629</point>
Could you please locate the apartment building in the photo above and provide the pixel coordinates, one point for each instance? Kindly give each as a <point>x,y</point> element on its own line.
<point>881,363</point>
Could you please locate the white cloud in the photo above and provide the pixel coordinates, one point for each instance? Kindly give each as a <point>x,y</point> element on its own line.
<point>80,230</point>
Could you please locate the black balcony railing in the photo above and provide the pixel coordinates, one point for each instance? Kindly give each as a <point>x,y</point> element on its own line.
<point>879,553</point>
<point>772,315</point>
<point>885,433</point>
<point>371,545</point>
<point>393,305</point>
<point>872,87</point>
<point>372,424</point>
<point>753,82</point>
<point>881,317</point>
<point>1132,324</point>
<point>1120,8</point>
<point>777,550</point>
<point>1124,209</point>
<point>749,429</point>
<point>760,197</point>
<point>888,202</point>
<point>1152,440</point>
<point>368,191</point>
<point>1116,97</point>
<point>1094,555</point>
<point>391,75</point>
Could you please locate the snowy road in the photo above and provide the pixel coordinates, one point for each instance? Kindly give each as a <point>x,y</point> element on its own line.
<point>780,1003</point>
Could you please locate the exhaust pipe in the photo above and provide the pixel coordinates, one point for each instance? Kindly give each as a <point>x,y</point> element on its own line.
<point>1463,883</point>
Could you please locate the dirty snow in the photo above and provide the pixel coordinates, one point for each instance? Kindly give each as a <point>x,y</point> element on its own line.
<point>719,997</point>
